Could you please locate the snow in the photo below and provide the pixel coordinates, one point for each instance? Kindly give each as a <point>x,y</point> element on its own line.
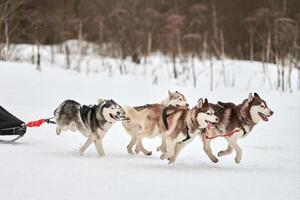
<point>44,166</point>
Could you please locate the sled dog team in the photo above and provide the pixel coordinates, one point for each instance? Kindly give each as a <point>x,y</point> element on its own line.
<point>172,120</point>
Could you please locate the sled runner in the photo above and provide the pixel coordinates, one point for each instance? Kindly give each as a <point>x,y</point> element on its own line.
<point>11,126</point>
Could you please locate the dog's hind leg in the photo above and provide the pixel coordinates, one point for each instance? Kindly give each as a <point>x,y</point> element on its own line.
<point>139,147</point>
<point>58,130</point>
<point>233,143</point>
<point>131,144</point>
<point>226,151</point>
<point>87,143</point>
<point>208,151</point>
<point>162,146</point>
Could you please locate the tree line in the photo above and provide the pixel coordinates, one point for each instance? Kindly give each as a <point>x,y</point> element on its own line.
<point>263,30</point>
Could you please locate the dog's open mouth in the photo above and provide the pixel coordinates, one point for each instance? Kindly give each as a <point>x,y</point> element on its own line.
<point>119,117</point>
<point>264,117</point>
<point>210,125</point>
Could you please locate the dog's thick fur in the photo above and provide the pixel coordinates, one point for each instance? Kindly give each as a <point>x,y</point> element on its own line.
<point>186,124</point>
<point>144,117</point>
<point>242,118</point>
<point>92,121</point>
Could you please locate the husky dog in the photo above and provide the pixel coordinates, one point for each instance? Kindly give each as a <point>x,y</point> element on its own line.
<point>186,124</point>
<point>145,115</point>
<point>92,121</point>
<point>238,119</point>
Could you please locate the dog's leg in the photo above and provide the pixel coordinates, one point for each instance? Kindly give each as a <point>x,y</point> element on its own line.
<point>178,148</point>
<point>137,144</point>
<point>58,130</point>
<point>162,147</point>
<point>131,144</point>
<point>88,142</point>
<point>99,145</point>
<point>170,148</point>
<point>233,143</point>
<point>208,151</point>
<point>226,151</point>
<point>139,147</point>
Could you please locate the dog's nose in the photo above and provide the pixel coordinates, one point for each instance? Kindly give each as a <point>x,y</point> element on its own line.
<point>217,119</point>
<point>271,112</point>
<point>187,104</point>
<point>118,113</point>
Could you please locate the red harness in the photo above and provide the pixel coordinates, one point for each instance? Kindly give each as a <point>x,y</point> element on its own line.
<point>222,135</point>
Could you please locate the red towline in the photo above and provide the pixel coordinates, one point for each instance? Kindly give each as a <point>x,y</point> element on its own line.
<point>222,135</point>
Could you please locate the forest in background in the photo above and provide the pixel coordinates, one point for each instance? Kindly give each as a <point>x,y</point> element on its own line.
<point>182,30</point>
<point>263,30</point>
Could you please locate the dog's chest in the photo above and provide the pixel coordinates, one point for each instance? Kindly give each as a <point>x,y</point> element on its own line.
<point>106,126</point>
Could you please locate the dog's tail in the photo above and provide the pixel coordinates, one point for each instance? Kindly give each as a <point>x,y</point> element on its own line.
<point>133,114</point>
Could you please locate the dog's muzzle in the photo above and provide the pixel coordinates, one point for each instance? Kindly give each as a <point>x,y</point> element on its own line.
<point>120,117</point>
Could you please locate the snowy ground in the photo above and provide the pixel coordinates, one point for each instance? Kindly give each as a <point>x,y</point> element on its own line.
<point>44,166</point>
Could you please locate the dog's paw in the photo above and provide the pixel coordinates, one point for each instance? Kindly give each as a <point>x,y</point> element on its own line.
<point>221,153</point>
<point>158,149</point>
<point>215,160</point>
<point>163,157</point>
<point>171,161</point>
<point>237,160</point>
<point>149,153</point>
<point>137,150</point>
<point>130,152</point>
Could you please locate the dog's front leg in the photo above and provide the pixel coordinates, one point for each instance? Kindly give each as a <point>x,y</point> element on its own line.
<point>178,148</point>
<point>233,143</point>
<point>208,151</point>
<point>88,142</point>
<point>98,144</point>
<point>170,148</point>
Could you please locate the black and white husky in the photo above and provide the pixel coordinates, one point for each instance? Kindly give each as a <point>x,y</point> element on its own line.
<point>237,121</point>
<point>92,121</point>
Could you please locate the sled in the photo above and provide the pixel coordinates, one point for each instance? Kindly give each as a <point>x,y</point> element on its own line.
<point>14,128</point>
<point>11,126</point>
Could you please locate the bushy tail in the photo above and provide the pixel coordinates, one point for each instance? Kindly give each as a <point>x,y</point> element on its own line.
<point>133,115</point>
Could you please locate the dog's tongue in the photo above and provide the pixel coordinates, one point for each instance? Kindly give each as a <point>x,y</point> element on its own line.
<point>209,125</point>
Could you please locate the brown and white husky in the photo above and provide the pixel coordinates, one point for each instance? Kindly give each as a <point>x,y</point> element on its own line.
<point>145,120</point>
<point>238,120</point>
<point>186,124</point>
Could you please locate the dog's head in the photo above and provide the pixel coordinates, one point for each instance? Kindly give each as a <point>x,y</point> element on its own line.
<point>175,99</point>
<point>258,108</point>
<point>112,111</point>
<point>205,114</point>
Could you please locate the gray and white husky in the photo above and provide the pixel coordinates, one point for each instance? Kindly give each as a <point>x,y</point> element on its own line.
<point>92,121</point>
<point>238,121</point>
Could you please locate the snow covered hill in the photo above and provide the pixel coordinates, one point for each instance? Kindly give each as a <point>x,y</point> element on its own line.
<point>44,166</point>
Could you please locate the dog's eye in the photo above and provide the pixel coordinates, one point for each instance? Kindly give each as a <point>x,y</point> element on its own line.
<point>180,99</point>
<point>262,106</point>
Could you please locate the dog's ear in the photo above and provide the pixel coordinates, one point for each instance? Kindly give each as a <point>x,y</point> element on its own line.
<point>256,95</point>
<point>250,97</point>
<point>169,93</point>
<point>101,101</point>
<point>200,103</point>
<point>205,102</point>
